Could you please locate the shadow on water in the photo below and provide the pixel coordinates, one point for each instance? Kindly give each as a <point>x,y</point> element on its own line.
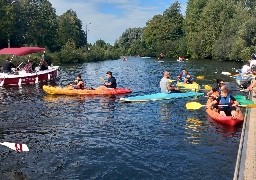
<point>97,137</point>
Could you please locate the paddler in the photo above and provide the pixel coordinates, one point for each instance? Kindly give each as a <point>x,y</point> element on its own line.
<point>111,80</point>
<point>78,83</point>
<point>185,77</point>
<point>215,92</point>
<point>227,99</point>
<point>166,86</point>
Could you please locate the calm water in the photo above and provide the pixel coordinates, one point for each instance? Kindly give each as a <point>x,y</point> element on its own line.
<point>98,137</point>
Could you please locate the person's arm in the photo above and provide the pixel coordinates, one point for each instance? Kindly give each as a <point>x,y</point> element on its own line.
<point>235,103</point>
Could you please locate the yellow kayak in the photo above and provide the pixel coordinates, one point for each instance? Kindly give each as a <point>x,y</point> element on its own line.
<point>96,91</point>
<point>193,87</point>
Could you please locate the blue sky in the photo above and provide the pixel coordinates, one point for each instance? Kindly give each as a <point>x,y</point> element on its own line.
<point>108,19</point>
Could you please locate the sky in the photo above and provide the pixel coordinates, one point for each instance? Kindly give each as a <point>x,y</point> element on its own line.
<point>108,19</point>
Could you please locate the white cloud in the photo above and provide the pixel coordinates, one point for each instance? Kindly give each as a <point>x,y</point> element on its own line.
<point>109,27</point>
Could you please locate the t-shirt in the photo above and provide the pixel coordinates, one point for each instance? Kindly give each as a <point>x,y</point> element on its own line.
<point>245,69</point>
<point>163,85</point>
<point>7,67</point>
<point>113,83</point>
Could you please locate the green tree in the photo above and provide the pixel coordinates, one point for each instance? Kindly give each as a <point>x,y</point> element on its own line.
<point>70,27</point>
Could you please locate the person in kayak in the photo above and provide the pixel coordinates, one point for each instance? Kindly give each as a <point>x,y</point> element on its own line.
<point>166,86</point>
<point>78,83</point>
<point>111,80</point>
<point>185,77</point>
<point>215,92</point>
<point>229,102</point>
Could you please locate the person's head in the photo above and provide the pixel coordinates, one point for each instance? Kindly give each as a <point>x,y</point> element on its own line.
<point>166,74</point>
<point>184,71</point>
<point>109,74</point>
<point>8,59</point>
<point>219,81</point>
<point>253,69</point>
<point>79,77</point>
<point>222,86</point>
<point>224,90</point>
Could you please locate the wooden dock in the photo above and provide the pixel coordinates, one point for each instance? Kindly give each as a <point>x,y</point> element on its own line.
<point>246,158</point>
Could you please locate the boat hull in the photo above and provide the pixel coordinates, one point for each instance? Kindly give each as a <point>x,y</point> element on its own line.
<point>227,120</point>
<point>29,78</point>
<point>160,96</point>
<point>72,92</point>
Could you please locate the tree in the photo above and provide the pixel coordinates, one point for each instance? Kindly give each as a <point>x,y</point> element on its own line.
<point>70,27</point>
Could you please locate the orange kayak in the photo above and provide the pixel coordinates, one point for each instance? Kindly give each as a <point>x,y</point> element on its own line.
<point>228,120</point>
<point>97,91</point>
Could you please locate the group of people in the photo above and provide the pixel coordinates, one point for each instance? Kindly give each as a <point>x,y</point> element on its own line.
<point>168,86</point>
<point>221,100</point>
<point>80,84</point>
<point>30,66</point>
<point>247,69</point>
<point>219,95</point>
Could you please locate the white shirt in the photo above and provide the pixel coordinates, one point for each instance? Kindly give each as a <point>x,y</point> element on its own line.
<point>245,69</point>
<point>163,85</point>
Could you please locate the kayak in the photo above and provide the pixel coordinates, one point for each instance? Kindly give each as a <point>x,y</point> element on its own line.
<point>160,96</point>
<point>96,91</point>
<point>228,120</point>
<point>242,100</point>
<point>193,87</point>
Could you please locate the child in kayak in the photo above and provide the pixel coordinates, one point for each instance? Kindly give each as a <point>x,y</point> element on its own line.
<point>229,102</point>
<point>215,92</point>
<point>185,77</point>
<point>78,83</point>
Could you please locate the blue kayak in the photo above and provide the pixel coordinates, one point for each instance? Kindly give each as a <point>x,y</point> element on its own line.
<point>160,96</point>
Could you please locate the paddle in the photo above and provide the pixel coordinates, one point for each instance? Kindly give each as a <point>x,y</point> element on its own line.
<point>196,105</point>
<point>208,88</point>
<point>200,77</point>
<point>15,146</point>
<point>102,80</point>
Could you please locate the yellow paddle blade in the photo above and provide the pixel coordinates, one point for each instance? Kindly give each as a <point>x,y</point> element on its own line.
<point>207,87</point>
<point>102,79</point>
<point>250,106</point>
<point>171,80</point>
<point>200,77</point>
<point>194,105</point>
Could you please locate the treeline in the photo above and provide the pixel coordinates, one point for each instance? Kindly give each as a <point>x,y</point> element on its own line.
<point>213,29</point>
<point>35,23</point>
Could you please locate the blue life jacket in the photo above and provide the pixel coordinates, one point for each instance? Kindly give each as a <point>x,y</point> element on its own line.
<point>226,100</point>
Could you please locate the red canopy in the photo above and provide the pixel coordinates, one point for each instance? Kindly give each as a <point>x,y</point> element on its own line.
<point>21,51</point>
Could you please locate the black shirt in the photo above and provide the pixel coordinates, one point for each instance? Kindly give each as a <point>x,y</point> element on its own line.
<point>7,66</point>
<point>113,82</point>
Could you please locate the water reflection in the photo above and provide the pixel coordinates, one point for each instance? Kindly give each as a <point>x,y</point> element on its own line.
<point>193,130</point>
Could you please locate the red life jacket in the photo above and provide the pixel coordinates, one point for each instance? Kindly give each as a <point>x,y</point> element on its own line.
<point>81,85</point>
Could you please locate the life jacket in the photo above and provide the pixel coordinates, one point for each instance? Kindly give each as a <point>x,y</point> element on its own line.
<point>182,76</point>
<point>226,100</point>
<point>81,85</point>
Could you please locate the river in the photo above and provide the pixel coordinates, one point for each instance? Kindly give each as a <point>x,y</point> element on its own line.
<point>98,137</point>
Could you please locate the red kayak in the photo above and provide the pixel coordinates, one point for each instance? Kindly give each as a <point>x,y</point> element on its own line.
<point>228,120</point>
